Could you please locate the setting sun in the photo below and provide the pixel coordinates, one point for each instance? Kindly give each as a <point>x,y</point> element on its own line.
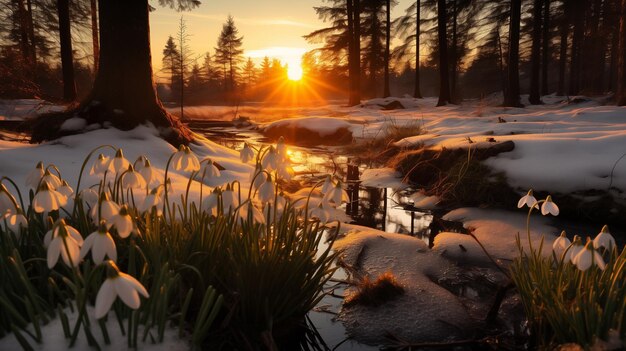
<point>294,71</point>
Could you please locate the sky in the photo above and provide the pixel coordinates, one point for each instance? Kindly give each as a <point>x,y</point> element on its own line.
<point>269,27</point>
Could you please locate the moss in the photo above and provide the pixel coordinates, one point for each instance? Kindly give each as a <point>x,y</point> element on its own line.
<point>375,293</point>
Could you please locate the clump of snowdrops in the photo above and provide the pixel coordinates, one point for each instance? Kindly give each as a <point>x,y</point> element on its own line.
<point>576,294</point>
<point>132,248</point>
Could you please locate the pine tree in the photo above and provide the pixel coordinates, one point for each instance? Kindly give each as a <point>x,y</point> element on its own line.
<point>228,51</point>
<point>171,66</point>
<point>512,97</point>
<point>444,84</point>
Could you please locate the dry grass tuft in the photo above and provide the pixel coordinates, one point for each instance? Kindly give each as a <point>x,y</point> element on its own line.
<point>375,293</point>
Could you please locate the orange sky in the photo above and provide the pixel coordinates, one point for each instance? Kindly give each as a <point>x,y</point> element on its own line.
<point>269,27</point>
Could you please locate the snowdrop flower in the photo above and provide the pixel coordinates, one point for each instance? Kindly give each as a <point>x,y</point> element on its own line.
<point>119,163</point>
<point>577,246</point>
<point>229,200</point>
<point>337,195</point>
<point>108,209</point>
<point>51,179</point>
<point>328,185</point>
<point>560,246</point>
<point>118,284</point>
<point>246,153</point>
<point>588,257</point>
<point>65,245</point>
<point>152,200</point>
<point>140,162</point>
<point>285,171</point>
<point>250,210</point>
<point>185,160</point>
<point>321,213</point>
<point>100,243</point>
<point>7,201</point>
<point>210,170</point>
<point>15,221</point>
<point>257,179</point>
<point>65,189</point>
<point>270,160</point>
<point>33,178</point>
<point>604,239</point>
<point>549,207</point>
<point>528,200</point>
<point>209,204</point>
<point>89,196</point>
<point>100,166</point>
<point>47,199</point>
<point>281,148</point>
<point>123,222</point>
<point>54,232</point>
<point>133,179</point>
<point>266,190</point>
<point>147,172</point>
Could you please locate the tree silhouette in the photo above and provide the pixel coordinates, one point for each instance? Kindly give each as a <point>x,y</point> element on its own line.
<point>444,84</point>
<point>511,98</point>
<point>228,51</point>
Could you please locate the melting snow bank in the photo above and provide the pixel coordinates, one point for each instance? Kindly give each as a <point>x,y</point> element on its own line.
<point>310,131</point>
<point>426,312</point>
<point>449,289</point>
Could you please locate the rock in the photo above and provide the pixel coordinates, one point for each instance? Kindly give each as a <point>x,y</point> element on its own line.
<point>393,105</point>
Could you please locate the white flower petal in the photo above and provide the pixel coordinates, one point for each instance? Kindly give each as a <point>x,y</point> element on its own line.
<point>105,298</point>
<point>126,291</point>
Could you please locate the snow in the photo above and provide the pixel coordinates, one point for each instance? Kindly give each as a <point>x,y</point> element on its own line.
<point>25,108</point>
<point>324,126</point>
<point>75,123</point>
<point>54,338</point>
<point>496,230</point>
<point>382,178</point>
<point>559,147</point>
<point>426,312</point>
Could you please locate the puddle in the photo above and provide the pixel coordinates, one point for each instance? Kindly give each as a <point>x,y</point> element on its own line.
<point>380,208</point>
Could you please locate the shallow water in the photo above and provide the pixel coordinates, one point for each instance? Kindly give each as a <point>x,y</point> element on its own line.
<point>384,209</point>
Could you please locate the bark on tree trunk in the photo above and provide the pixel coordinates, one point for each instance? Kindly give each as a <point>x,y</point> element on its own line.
<point>453,52</point>
<point>386,92</point>
<point>31,32</point>
<point>575,66</point>
<point>620,96</point>
<point>94,35</point>
<point>560,91</point>
<point>124,94</point>
<point>534,98</point>
<point>546,48</point>
<point>512,96</point>
<point>417,93</point>
<point>67,61</point>
<point>354,52</point>
<point>444,85</point>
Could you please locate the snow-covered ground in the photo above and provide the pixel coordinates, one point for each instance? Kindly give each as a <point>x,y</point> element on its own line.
<point>559,147</point>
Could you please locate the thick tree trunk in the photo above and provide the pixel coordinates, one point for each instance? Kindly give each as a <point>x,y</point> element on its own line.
<point>386,92</point>
<point>124,94</point>
<point>67,60</point>
<point>25,45</point>
<point>31,32</point>
<point>94,35</point>
<point>444,85</point>
<point>453,53</point>
<point>545,52</point>
<point>512,96</point>
<point>354,52</point>
<point>560,90</point>
<point>620,96</point>
<point>534,98</point>
<point>577,39</point>
<point>417,93</point>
